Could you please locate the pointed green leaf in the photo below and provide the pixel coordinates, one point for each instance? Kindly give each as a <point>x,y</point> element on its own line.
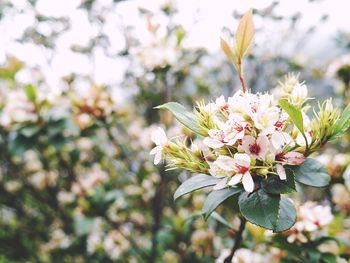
<point>260,208</point>
<point>245,33</point>
<point>311,173</point>
<point>286,217</point>
<point>294,114</point>
<point>188,119</point>
<point>229,52</point>
<point>215,198</point>
<point>220,219</point>
<point>194,183</point>
<point>30,91</point>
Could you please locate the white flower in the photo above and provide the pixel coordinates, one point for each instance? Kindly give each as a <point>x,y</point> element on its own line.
<point>242,103</point>
<point>221,104</point>
<point>216,139</point>
<point>311,218</point>
<point>290,158</point>
<point>297,234</point>
<point>216,171</point>
<point>265,115</point>
<point>95,237</point>
<point>92,178</point>
<point>278,141</point>
<point>240,165</point>
<point>17,109</point>
<point>242,255</point>
<point>160,139</point>
<point>234,128</point>
<point>228,134</point>
<point>281,139</point>
<point>315,216</point>
<point>155,55</point>
<point>299,93</point>
<point>257,148</point>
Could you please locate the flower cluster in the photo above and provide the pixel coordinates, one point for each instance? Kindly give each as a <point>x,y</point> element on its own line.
<point>249,137</point>
<point>312,219</point>
<point>18,108</point>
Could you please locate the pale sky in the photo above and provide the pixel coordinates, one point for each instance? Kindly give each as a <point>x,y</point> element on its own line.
<point>203,19</point>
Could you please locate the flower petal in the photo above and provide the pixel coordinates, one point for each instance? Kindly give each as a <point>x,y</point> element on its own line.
<point>220,101</point>
<point>246,142</point>
<point>226,163</point>
<point>156,149</point>
<point>159,137</point>
<point>248,182</point>
<point>279,139</point>
<point>263,142</point>
<point>220,185</point>
<point>281,172</point>
<point>294,158</point>
<point>157,158</point>
<point>212,143</point>
<point>242,159</point>
<point>216,171</point>
<point>301,140</point>
<point>235,179</point>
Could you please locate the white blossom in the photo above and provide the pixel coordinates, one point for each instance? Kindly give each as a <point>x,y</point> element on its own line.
<point>160,139</point>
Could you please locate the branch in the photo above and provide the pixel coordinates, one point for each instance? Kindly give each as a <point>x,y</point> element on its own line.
<point>157,211</point>
<point>237,241</point>
<point>241,78</point>
<point>244,88</point>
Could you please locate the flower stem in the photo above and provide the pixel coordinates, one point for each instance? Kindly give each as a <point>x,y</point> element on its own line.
<point>244,88</point>
<point>237,240</point>
<point>240,74</point>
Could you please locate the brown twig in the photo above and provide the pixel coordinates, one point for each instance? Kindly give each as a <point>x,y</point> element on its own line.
<point>157,207</point>
<point>244,88</point>
<point>237,241</point>
<point>240,74</point>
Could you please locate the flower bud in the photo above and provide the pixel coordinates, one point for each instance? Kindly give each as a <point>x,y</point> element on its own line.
<point>262,171</point>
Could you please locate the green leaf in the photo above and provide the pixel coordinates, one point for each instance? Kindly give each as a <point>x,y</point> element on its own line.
<point>274,185</point>
<point>112,195</point>
<point>215,198</point>
<point>260,208</point>
<point>82,225</point>
<point>220,219</point>
<point>29,131</point>
<point>230,54</point>
<point>18,144</point>
<point>342,124</point>
<point>245,33</point>
<point>328,258</point>
<point>30,91</point>
<point>194,183</point>
<point>311,173</point>
<point>313,255</point>
<point>294,114</point>
<point>286,217</point>
<point>186,118</point>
